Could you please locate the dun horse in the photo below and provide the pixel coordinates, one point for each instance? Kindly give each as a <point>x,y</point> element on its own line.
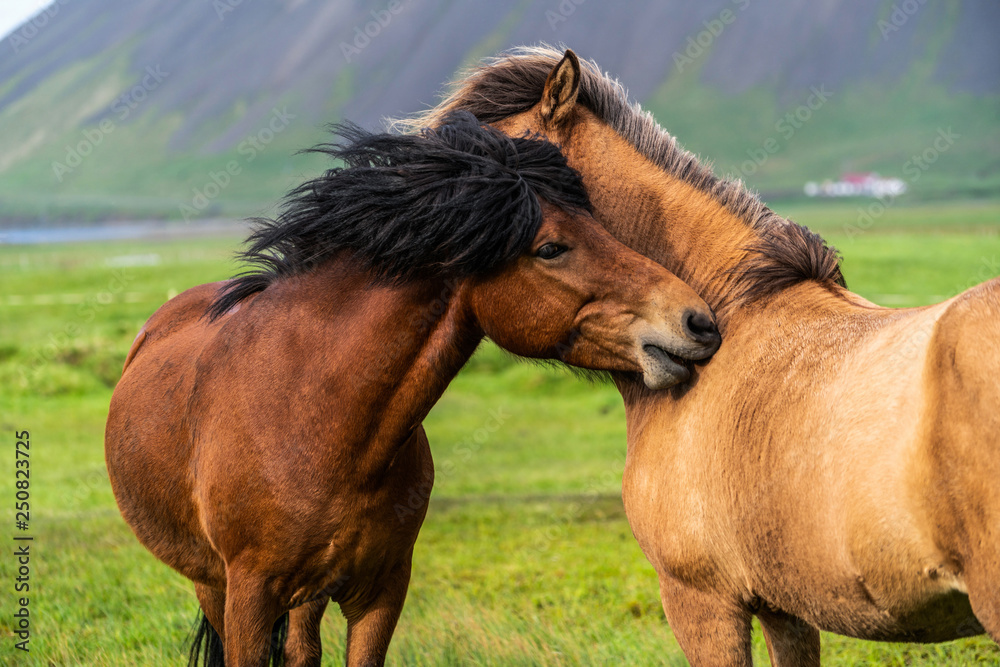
<point>267,430</point>
<point>837,465</point>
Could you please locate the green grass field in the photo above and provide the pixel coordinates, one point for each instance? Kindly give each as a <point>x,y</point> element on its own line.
<point>526,557</point>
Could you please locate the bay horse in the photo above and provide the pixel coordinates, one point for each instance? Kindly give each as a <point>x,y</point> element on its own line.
<point>265,438</point>
<point>837,465</point>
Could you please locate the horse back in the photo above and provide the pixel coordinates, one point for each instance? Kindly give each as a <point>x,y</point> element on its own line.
<point>185,310</point>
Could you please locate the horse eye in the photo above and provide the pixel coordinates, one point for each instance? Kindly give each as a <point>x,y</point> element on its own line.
<point>551,250</point>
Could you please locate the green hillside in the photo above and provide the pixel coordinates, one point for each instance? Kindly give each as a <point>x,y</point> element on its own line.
<point>129,174</point>
<point>186,114</point>
<point>943,145</point>
<point>123,168</point>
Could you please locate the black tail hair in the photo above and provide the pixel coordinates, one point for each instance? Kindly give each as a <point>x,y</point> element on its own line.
<point>206,647</point>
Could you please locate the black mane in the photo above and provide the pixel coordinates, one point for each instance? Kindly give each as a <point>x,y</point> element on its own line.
<point>455,201</point>
<point>513,82</point>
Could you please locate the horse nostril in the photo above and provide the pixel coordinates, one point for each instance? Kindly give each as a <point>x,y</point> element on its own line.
<point>701,327</point>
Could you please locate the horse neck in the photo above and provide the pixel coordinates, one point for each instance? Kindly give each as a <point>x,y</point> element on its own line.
<point>396,347</point>
<point>668,220</point>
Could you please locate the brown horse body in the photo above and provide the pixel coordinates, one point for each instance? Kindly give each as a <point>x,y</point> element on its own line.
<point>836,466</point>
<point>272,454</point>
<point>268,448</point>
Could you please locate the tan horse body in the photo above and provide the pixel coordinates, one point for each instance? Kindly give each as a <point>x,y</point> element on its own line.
<point>837,464</point>
<point>857,508</point>
<point>272,455</point>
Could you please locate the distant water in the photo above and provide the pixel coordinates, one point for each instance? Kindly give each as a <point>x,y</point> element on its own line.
<point>117,232</point>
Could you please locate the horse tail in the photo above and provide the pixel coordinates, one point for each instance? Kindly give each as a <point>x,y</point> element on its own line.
<point>207,645</point>
<point>206,648</point>
<point>279,635</point>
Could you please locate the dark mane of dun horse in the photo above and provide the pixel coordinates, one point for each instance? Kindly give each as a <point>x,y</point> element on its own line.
<point>836,466</point>
<point>267,430</point>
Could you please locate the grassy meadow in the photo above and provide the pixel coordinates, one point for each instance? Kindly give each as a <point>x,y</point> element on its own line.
<point>526,557</point>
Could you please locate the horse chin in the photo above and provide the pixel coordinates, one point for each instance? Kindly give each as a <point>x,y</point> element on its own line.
<point>660,369</point>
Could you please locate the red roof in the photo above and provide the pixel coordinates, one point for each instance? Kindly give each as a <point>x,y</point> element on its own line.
<point>858,176</point>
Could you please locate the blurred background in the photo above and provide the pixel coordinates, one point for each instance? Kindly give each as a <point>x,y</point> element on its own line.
<point>136,134</point>
<point>123,109</point>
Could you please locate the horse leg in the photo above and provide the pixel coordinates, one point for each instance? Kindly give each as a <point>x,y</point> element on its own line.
<point>987,612</point>
<point>984,593</point>
<point>250,615</point>
<point>370,626</point>
<point>711,629</point>
<point>208,647</point>
<point>304,647</point>
<point>790,640</point>
<point>213,603</point>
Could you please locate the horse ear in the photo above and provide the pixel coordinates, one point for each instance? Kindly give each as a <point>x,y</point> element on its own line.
<point>561,89</point>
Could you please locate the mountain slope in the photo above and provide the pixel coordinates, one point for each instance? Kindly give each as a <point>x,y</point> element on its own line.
<point>195,108</point>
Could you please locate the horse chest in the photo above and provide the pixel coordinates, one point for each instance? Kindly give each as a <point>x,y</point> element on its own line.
<point>669,508</point>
